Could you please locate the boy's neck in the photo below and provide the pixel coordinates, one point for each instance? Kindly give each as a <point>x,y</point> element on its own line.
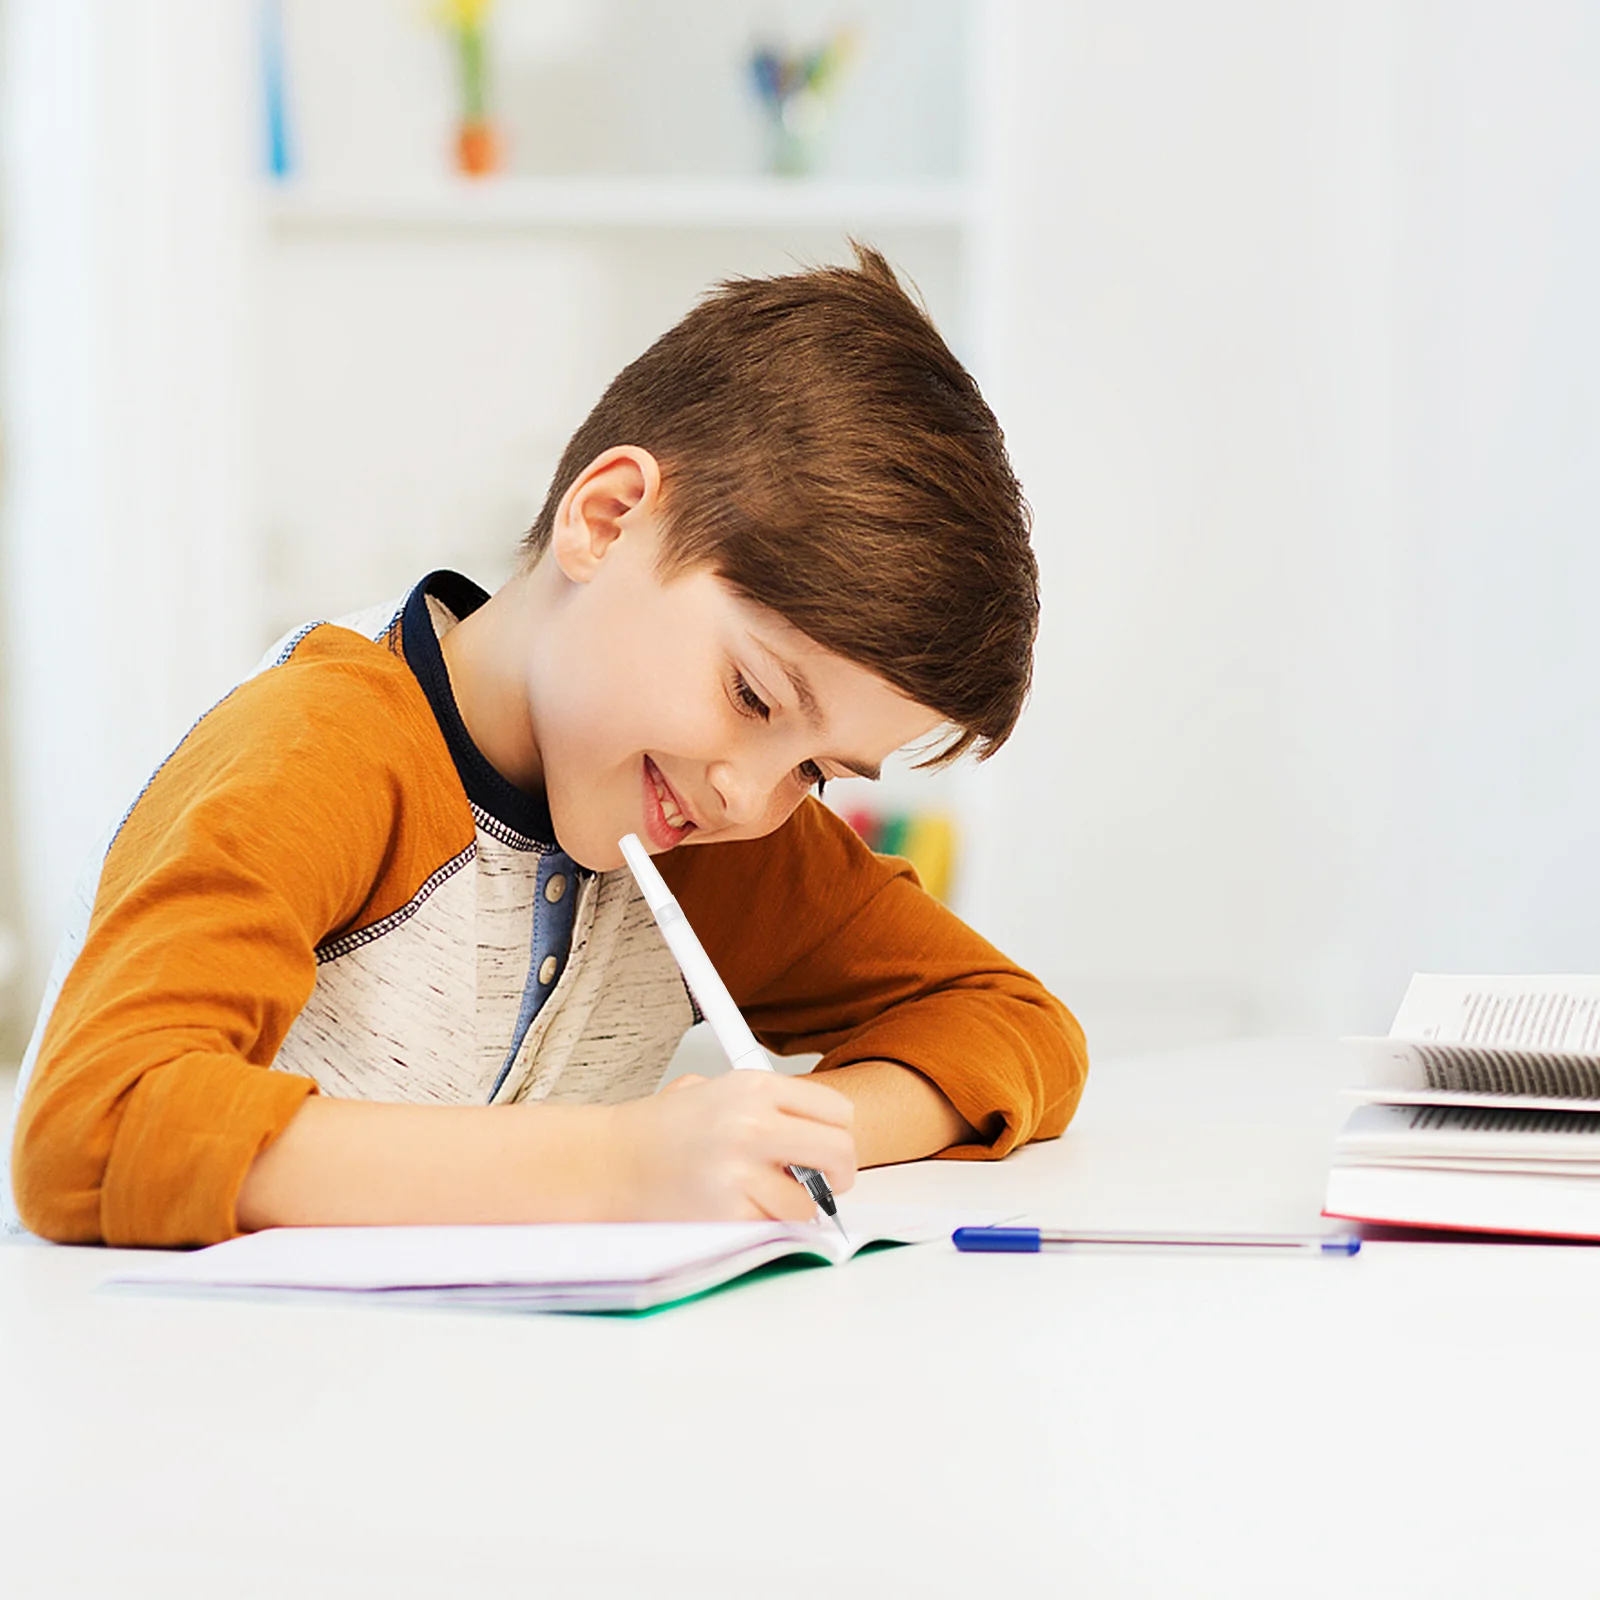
<point>482,654</point>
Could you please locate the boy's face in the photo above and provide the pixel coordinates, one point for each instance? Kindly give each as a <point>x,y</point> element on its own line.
<point>678,710</point>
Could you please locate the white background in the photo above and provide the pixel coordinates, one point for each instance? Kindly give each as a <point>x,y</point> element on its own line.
<point>1291,325</point>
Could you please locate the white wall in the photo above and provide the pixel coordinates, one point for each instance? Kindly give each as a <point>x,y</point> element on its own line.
<point>1302,325</point>
<point>1295,346</point>
<point>1188,376</point>
<point>127,380</point>
<point>1500,475</point>
<point>422,386</point>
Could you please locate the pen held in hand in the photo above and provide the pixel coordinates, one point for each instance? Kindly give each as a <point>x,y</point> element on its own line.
<point>1032,1241</point>
<point>739,1044</point>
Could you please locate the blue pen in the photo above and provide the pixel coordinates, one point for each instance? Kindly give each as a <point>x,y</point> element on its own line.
<point>1030,1241</point>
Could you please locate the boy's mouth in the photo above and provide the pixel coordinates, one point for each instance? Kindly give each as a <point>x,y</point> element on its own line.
<point>666,821</point>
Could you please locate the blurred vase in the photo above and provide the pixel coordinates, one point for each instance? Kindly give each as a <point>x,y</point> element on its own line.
<point>795,89</point>
<point>795,129</point>
<point>477,149</point>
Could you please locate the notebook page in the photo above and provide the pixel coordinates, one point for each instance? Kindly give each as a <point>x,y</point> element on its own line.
<point>447,1257</point>
<point>568,1256</point>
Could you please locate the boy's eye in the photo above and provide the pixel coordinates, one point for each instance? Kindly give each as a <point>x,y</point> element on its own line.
<point>808,772</point>
<point>749,699</point>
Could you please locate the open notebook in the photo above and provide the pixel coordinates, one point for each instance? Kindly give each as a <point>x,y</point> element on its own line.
<point>610,1266</point>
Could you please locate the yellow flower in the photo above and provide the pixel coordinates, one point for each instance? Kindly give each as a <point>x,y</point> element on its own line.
<point>463,14</point>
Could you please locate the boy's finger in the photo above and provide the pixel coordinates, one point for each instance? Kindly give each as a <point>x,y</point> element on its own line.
<point>775,1193</point>
<point>806,1097</point>
<point>830,1150</point>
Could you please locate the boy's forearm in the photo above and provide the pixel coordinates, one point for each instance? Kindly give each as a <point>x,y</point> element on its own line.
<point>715,1151</point>
<point>900,1115</point>
<point>364,1162</point>
<point>359,1162</point>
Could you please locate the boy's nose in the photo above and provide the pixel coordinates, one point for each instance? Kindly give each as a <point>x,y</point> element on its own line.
<point>743,795</point>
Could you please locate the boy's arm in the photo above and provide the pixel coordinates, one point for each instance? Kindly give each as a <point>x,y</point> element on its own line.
<point>942,1043</point>
<point>266,830</point>
<point>717,1150</point>
<point>900,1115</point>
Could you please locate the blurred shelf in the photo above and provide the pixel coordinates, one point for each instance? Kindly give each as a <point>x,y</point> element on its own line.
<point>532,204</point>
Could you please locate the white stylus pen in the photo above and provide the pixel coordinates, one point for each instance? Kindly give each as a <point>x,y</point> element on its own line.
<point>741,1047</point>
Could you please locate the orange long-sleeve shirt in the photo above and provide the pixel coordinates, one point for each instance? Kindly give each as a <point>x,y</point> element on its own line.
<point>326,888</point>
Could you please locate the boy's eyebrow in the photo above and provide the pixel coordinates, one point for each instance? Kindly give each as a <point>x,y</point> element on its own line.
<point>812,712</point>
<point>801,685</point>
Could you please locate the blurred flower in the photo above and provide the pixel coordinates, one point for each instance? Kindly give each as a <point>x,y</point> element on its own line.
<point>794,87</point>
<point>781,75</point>
<point>477,147</point>
<point>462,13</point>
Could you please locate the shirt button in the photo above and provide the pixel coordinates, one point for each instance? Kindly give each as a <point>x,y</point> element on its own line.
<point>547,969</point>
<point>556,887</point>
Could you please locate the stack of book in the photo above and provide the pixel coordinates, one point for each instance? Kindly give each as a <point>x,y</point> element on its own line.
<point>1480,1110</point>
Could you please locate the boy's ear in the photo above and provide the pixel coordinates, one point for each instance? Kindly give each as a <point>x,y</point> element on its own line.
<point>613,493</point>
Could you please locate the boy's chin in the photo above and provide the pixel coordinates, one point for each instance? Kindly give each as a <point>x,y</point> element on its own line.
<point>592,853</point>
<point>598,856</point>
<point>591,848</point>
<point>598,849</point>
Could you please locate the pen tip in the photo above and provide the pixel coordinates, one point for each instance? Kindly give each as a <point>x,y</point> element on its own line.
<point>840,1226</point>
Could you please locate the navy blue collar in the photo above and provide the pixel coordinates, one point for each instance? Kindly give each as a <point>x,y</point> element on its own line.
<point>525,814</point>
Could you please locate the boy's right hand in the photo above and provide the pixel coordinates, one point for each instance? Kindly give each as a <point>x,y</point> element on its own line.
<point>719,1149</point>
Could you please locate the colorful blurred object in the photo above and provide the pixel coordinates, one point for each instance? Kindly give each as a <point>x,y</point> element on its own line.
<point>927,839</point>
<point>275,94</point>
<point>477,140</point>
<point>794,88</point>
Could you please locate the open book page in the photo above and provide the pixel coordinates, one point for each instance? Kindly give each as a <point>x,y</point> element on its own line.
<point>1473,1136</point>
<point>1402,1072</point>
<point>1535,1040</point>
<point>1389,1094</point>
<point>1559,1015</point>
<point>576,1266</point>
<point>1503,1165</point>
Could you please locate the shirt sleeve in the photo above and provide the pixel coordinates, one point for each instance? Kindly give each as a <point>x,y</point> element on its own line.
<point>826,946</point>
<point>275,824</point>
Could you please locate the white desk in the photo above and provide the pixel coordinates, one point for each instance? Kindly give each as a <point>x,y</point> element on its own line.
<point>1418,1421</point>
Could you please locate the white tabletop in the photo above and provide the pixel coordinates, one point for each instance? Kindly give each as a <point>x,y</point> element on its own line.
<point>1417,1421</point>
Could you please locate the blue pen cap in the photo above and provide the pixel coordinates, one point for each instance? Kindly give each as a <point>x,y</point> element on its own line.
<point>1017,1241</point>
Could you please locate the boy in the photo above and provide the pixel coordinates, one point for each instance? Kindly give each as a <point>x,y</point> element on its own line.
<point>363,950</point>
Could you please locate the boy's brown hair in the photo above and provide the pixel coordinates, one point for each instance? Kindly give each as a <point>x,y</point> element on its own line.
<point>825,454</point>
